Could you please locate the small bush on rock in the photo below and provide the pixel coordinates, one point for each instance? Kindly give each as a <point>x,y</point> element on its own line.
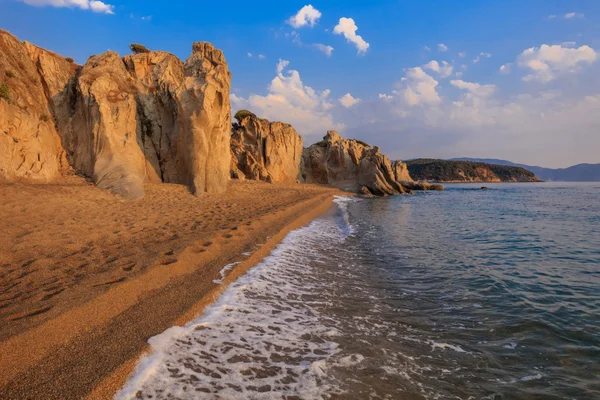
<point>44,118</point>
<point>9,74</point>
<point>4,92</point>
<point>240,115</point>
<point>69,60</point>
<point>138,48</point>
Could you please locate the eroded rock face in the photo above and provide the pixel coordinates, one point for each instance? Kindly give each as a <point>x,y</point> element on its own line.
<point>355,166</point>
<point>120,121</point>
<point>351,165</point>
<point>30,147</point>
<point>263,150</point>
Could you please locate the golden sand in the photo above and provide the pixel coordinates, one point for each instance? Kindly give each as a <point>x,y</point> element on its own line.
<point>87,278</point>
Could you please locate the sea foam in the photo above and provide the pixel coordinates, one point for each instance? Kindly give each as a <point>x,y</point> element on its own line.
<point>262,339</point>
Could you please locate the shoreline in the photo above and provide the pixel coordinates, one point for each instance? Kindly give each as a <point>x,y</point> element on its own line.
<point>90,350</point>
<point>113,383</point>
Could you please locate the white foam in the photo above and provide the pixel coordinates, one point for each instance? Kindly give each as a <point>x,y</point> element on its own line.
<point>262,339</point>
<point>445,346</point>
<point>531,378</point>
<point>223,272</point>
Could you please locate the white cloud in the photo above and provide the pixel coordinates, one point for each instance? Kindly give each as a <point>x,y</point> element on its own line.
<point>348,28</point>
<point>474,88</point>
<point>420,88</point>
<point>444,70</point>
<point>572,15</point>
<point>249,54</point>
<point>290,101</point>
<point>93,5</point>
<point>348,101</point>
<point>505,69</point>
<point>480,56</point>
<point>147,18</point>
<point>426,48</point>
<point>384,96</point>
<point>568,44</point>
<point>442,47</point>
<point>327,50</point>
<point>307,15</point>
<point>261,57</point>
<point>546,63</point>
<point>462,54</point>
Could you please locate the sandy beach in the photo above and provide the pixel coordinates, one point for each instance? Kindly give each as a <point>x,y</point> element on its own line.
<point>86,278</point>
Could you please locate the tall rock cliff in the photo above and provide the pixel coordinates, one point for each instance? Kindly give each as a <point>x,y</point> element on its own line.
<point>30,146</point>
<point>120,121</point>
<point>351,165</point>
<point>263,150</point>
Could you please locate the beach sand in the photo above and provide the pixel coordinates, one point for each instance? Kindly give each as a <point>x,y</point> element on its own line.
<point>86,278</point>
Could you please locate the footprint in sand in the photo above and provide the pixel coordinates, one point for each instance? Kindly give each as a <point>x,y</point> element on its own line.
<point>128,267</point>
<point>168,261</point>
<point>26,314</point>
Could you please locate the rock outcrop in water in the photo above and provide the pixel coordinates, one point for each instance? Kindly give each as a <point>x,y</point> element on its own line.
<point>263,150</point>
<point>121,121</point>
<point>355,166</point>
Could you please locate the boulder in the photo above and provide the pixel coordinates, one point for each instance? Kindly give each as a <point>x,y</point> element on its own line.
<point>264,150</point>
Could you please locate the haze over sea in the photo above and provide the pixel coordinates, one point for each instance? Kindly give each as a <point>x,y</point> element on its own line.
<point>462,294</point>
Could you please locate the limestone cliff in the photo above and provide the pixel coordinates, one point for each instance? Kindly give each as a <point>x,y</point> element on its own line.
<point>120,121</point>
<point>263,150</point>
<point>354,166</point>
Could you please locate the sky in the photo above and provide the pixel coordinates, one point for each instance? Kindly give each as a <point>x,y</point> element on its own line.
<point>508,79</point>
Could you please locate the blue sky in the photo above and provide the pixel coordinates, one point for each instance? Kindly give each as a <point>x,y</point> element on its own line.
<point>423,79</point>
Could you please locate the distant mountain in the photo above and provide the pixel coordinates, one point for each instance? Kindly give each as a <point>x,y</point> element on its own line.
<point>576,173</point>
<point>427,169</point>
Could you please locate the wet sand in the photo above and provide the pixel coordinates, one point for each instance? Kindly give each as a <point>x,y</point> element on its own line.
<point>87,278</point>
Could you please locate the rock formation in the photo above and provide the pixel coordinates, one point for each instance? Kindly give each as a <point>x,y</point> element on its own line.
<point>467,171</point>
<point>30,146</point>
<point>121,121</point>
<point>263,150</point>
<point>354,166</point>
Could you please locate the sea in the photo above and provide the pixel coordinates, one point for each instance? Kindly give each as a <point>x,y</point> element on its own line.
<point>461,294</point>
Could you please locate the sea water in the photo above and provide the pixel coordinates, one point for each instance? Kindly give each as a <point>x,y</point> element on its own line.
<point>462,294</point>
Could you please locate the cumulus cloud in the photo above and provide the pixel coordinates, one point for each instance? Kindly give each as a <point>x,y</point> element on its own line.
<point>442,47</point>
<point>384,96</point>
<point>348,101</point>
<point>348,28</point>
<point>289,100</point>
<point>327,50</point>
<point>444,69</point>
<point>261,57</point>
<point>93,5</point>
<point>306,16</point>
<point>462,54</point>
<point>474,88</point>
<point>505,69</point>
<point>420,88</point>
<point>480,56</point>
<point>546,63</point>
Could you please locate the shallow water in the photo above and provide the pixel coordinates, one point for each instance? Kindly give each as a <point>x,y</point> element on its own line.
<point>462,294</point>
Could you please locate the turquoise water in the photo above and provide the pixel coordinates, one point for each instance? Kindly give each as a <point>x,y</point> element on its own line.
<point>462,294</point>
